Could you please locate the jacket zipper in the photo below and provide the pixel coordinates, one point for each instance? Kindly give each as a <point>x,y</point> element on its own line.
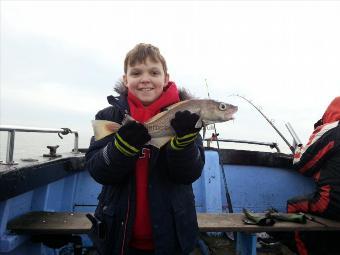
<point>125,224</point>
<point>124,111</point>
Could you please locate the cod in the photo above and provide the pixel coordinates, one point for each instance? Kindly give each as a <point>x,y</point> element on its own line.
<point>159,128</point>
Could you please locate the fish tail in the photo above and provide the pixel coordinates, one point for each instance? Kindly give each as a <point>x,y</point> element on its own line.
<point>103,128</point>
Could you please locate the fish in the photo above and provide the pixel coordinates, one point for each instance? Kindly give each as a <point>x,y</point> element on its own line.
<point>159,128</point>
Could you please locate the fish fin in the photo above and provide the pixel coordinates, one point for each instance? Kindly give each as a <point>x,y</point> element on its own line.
<point>102,128</point>
<point>157,116</point>
<point>159,141</point>
<point>161,114</point>
<point>175,105</point>
<point>199,123</point>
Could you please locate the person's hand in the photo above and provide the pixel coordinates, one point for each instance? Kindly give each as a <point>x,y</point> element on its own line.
<point>184,126</point>
<point>131,137</point>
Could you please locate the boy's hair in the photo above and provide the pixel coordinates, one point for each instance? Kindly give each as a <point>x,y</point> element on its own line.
<point>140,53</point>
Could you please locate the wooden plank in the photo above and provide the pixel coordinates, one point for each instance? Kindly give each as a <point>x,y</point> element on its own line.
<point>77,223</point>
<point>51,223</point>
<point>234,222</point>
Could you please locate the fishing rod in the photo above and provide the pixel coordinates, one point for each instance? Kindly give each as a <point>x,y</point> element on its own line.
<point>268,120</point>
<point>230,207</point>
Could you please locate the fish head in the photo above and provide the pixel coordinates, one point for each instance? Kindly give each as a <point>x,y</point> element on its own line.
<point>215,112</point>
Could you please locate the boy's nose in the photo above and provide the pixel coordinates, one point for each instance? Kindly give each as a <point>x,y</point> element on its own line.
<point>145,78</point>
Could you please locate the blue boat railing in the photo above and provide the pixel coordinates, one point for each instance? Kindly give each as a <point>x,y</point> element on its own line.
<point>13,129</point>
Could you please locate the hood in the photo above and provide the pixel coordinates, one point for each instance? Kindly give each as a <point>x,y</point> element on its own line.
<point>332,112</point>
<point>120,89</point>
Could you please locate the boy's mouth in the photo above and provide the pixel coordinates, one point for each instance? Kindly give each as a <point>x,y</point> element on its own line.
<point>145,89</point>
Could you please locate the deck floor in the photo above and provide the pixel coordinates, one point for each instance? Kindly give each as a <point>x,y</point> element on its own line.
<point>220,245</point>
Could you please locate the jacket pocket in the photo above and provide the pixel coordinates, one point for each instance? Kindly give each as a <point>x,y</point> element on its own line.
<point>186,229</point>
<point>185,221</point>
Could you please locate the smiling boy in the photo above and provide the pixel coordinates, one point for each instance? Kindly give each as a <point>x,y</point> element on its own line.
<point>145,78</point>
<point>147,204</point>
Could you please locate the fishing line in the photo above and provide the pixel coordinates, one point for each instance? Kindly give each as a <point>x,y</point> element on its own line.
<point>268,120</point>
<point>229,204</point>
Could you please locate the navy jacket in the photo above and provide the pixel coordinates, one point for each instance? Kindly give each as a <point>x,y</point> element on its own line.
<point>172,204</point>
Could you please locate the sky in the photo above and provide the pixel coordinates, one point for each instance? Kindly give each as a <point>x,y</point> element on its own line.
<point>60,59</point>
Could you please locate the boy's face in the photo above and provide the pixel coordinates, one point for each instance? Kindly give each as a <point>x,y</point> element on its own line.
<point>146,80</point>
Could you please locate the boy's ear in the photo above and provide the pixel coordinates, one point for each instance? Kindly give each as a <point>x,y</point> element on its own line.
<point>124,80</point>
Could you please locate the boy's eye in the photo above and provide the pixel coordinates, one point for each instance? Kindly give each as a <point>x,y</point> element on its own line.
<point>134,73</point>
<point>155,73</point>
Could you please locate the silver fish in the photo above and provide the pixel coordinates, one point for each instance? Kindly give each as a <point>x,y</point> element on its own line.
<point>159,128</point>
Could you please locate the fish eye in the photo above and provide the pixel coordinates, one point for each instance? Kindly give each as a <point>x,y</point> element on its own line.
<point>222,107</point>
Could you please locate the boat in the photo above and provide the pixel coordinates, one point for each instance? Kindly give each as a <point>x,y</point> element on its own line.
<point>232,179</point>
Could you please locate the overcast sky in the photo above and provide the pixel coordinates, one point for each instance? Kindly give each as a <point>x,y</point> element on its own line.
<point>60,59</point>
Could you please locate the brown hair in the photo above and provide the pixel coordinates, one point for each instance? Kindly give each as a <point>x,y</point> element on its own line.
<point>140,53</point>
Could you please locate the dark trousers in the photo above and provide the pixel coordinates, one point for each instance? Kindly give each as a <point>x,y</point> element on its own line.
<point>311,243</point>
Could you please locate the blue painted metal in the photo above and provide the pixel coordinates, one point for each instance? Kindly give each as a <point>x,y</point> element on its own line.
<point>39,201</point>
<point>259,188</point>
<point>253,187</point>
<point>203,247</point>
<point>29,248</point>
<point>21,204</point>
<point>55,196</point>
<point>208,188</point>
<point>246,244</point>
<point>86,193</point>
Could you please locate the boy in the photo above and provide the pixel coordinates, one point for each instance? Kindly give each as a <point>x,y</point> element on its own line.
<point>146,205</point>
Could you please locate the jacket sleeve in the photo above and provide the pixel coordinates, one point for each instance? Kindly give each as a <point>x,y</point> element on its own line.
<point>309,160</point>
<point>106,164</point>
<point>185,166</point>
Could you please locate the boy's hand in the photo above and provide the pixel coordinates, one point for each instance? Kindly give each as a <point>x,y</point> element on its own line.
<point>131,137</point>
<point>184,126</point>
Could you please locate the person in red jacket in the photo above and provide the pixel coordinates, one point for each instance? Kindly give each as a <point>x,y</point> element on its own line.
<point>147,203</point>
<point>320,159</point>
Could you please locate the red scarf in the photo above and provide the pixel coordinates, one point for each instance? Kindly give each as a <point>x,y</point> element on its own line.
<point>142,229</point>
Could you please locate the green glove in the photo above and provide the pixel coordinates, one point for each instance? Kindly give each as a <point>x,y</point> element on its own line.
<point>131,137</point>
<point>184,125</point>
<point>253,219</point>
<point>291,217</point>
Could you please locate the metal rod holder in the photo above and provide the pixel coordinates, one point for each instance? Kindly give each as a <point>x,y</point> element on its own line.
<point>296,139</point>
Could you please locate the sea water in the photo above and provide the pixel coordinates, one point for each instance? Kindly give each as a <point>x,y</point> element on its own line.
<point>33,145</point>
